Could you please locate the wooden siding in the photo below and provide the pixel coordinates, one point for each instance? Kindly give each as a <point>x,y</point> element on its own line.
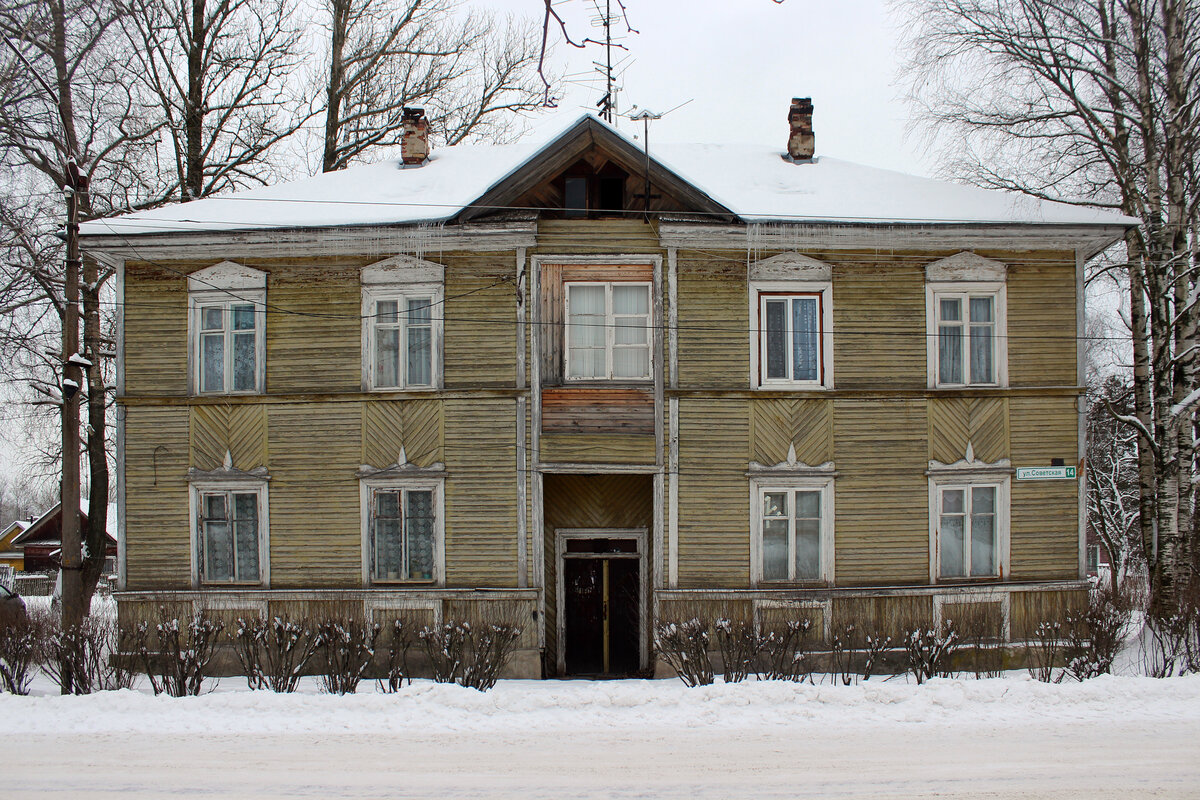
<point>314,329</point>
<point>316,534</point>
<point>157,528</point>
<point>1045,523</point>
<point>481,613</point>
<point>156,309</point>
<point>240,430</point>
<point>597,410</point>
<point>578,236</point>
<point>481,493</point>
<point>777,424</point>
<point>714,493</point>
<point>415,425</point>
<point>589,501</point>
<point>1041,320</point>
<point>892,616</point>
<point>955,421</point>
<point>1028,609</point>
<point>878,322</point>
<point>714,322</point>
<point>881,493</point>
<point>480,325</point>
<point>597,448</point>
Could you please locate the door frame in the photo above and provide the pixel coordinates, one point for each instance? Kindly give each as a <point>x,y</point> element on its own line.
<point>561,537</point>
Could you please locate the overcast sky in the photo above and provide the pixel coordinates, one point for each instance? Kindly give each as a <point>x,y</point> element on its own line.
<point>740,62</point>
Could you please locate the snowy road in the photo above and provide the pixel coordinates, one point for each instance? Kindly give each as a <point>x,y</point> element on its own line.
<point>1114,738</point>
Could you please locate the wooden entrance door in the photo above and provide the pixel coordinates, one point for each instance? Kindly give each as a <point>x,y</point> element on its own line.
<point>601,605</point>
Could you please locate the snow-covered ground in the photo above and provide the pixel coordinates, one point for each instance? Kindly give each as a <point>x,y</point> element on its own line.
<point>1118,737</point>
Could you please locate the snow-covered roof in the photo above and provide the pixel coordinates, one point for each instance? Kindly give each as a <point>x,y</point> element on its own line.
<point>754,182</point>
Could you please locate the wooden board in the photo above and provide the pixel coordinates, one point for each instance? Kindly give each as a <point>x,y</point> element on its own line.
<point>597,410</point>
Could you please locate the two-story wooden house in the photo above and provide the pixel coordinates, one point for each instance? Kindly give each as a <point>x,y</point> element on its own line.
<point>586,387</point>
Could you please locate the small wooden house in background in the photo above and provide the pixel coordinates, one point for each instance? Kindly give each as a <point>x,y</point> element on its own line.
<point>40,543</point>
<point>10,555</point>
<point>587,387</point>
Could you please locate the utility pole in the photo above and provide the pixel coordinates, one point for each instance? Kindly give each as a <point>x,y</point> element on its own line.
<point>72,555</point>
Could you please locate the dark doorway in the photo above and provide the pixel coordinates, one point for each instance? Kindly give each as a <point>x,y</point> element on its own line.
<point>601,606</point>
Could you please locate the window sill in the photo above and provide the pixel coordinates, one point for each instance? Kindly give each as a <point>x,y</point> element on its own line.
<point>393,584</point>
<point>785,584</point>
<point>793,386</point>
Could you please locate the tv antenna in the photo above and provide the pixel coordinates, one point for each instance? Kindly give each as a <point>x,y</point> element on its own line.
<point>606,18</point>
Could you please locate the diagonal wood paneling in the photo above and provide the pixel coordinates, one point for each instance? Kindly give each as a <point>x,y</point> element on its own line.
<point>982,421</point>
<point>382,432</point>
<point>778,423</point>
<point>239,429</point>
<point>414,424</point>
<point>423,431</point>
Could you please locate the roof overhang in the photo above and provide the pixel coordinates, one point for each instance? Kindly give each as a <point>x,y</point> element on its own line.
<point>1088,240</point>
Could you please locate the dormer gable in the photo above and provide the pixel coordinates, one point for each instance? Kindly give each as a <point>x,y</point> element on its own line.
<point>585,172</point>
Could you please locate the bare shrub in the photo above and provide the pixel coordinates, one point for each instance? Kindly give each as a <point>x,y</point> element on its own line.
<point>1045,650</point>
<point>684,645</point>
<point>1095,635</point>
<point>21,642</point>
<point>981,637</point>
<point>875,647</point>
<point>176,656</point>
<point>473,658</point>
<point>345,649</point>
<point>785,651</point>
<point>398,672</point>
<point>273,653</point>
<point>929,651</point>
<point>80,660</point>
<point>740,645</point>
<point>843,647</point>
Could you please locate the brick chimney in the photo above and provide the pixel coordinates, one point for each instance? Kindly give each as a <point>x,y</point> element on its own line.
<point>801,141</point>
<point>414,143</point>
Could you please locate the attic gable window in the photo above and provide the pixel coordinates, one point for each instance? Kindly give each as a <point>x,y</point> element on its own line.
<point>226,322</point>
<point>608,331</point>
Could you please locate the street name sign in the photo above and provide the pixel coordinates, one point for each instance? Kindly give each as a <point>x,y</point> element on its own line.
<point>1045,473</point>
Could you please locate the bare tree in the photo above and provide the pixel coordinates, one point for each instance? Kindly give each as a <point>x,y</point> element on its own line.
<point>473,73</point>
<point>219,74</point>
<point>1112,488</point>
<point>1094,102</point>
<point>63,101</point>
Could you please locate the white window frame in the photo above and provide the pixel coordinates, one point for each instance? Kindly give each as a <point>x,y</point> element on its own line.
<point>964,290</point>
<point>609,331</point>
<point>240,485</point>
<point>367,489</point>
<point>402,293</point>
<point>760,291</point>
<point>227,284</point>
<point>950,481</point>
<point>759,487</point>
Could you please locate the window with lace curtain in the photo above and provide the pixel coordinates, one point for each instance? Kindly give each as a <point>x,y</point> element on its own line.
<point>608,331</point>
